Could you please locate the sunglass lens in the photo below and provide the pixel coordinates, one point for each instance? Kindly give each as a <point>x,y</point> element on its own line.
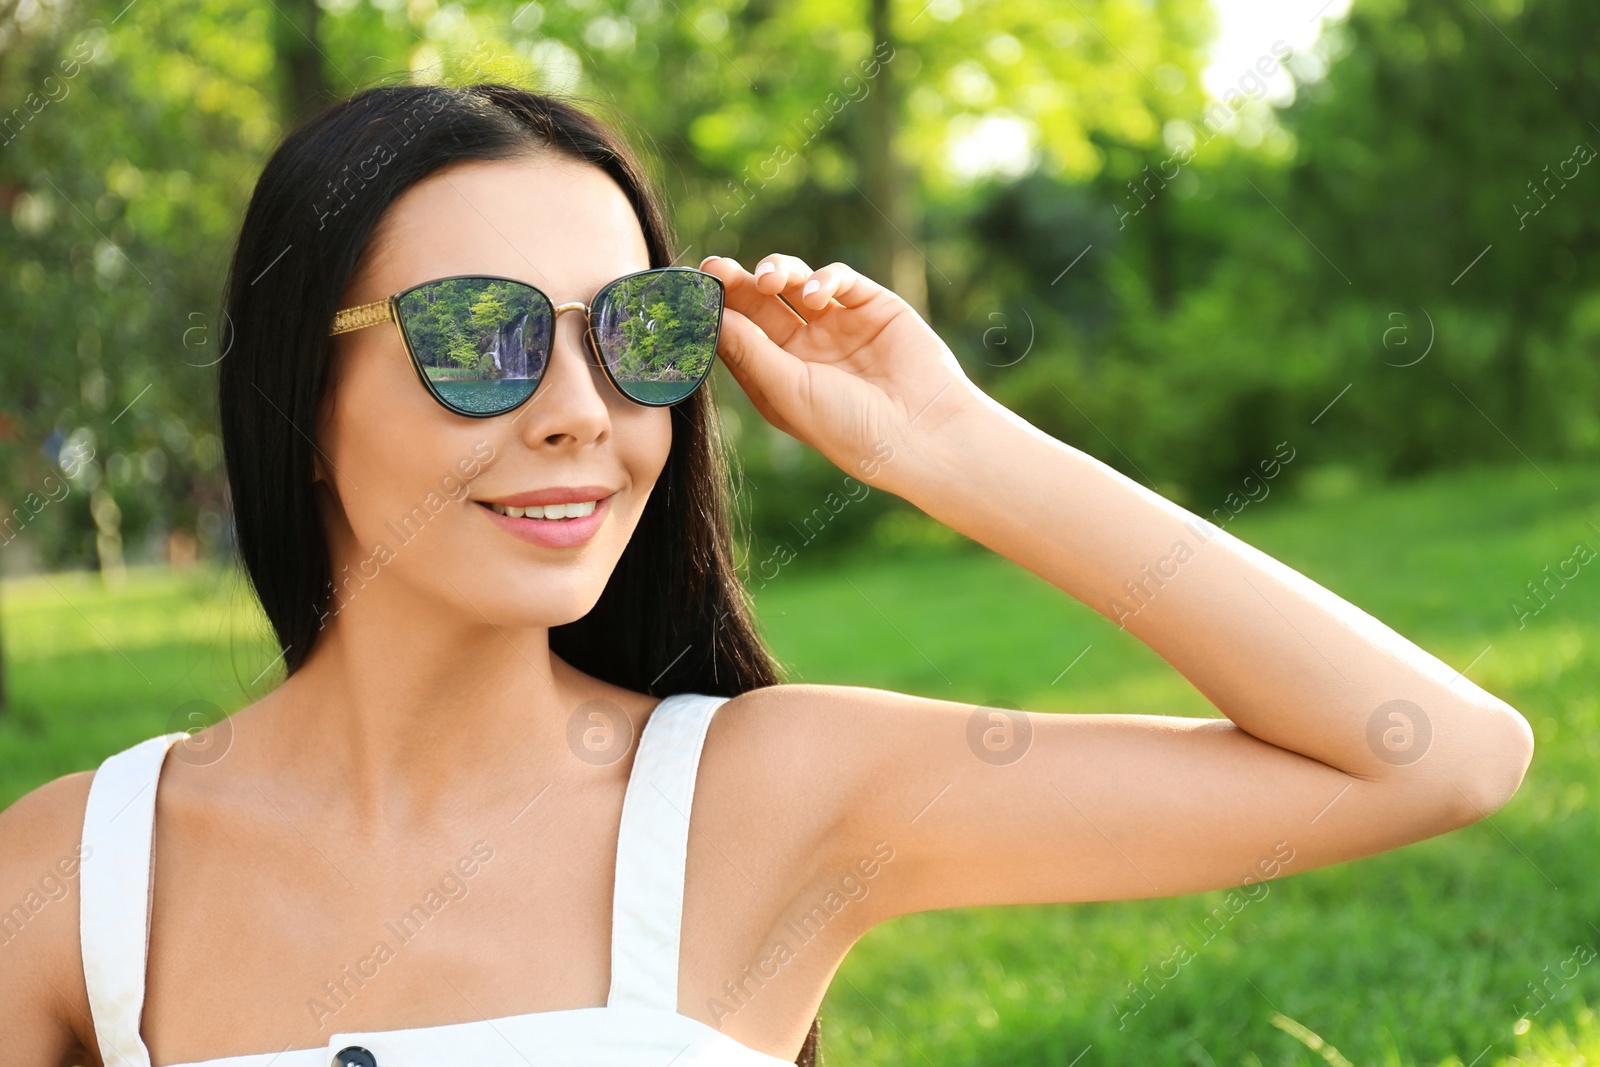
<point>482,342</point>
<point>657,332</point>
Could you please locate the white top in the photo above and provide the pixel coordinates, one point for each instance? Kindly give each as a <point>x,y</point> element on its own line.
<point>639,1026</point>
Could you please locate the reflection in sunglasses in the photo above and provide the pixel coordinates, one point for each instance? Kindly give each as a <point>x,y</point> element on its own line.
<point>482,342</point>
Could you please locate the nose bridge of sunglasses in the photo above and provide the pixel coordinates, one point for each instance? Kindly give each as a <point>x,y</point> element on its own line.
<point>586,327</point>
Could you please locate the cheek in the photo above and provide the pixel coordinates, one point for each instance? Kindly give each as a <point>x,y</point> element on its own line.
<point>396,451</point>
<point>644,438</point>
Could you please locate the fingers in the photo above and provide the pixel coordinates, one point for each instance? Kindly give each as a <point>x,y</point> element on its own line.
<point>779,273</point>
<point>842,284</point>
<point>837,282</point>
<point>743,295</point>
<point>811,292</point>
<point>769,375</point>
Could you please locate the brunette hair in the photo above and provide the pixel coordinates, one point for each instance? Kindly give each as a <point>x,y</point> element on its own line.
<point>314,208</point>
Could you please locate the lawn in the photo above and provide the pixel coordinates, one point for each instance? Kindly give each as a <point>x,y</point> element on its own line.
<point>1427,955</point>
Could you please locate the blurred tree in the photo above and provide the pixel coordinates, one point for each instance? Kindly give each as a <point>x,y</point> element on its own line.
<point>137,130</point>
<point>1395,267</point>
<point>1446,164</point>
<point>294,40</point>
<point>892,254</point>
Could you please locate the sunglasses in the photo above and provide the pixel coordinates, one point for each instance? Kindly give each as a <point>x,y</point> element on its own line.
<point>480,343</point>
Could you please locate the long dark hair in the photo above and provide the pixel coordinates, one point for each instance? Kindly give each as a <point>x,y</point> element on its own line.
<point>674,616</point>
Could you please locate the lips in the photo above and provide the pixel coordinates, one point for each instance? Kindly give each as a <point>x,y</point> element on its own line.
<point>561,494</point>
<point>565,532</point>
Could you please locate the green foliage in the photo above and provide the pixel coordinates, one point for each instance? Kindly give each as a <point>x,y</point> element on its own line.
<point>124,187</point>
<point>1376,281</point>
<point>1175,285</point>
<point>456,322</point>
<point>489,313</point>
<point>124,163</point>
<point>462,350</point>
<point>660,329</point>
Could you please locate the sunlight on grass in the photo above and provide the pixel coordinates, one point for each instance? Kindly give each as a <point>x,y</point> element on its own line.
<point>91,669</point>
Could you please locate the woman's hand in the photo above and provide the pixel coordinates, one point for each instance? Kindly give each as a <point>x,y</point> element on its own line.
<point>863,380</point>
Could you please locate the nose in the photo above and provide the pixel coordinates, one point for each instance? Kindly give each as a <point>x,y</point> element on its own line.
<point>570,402</point>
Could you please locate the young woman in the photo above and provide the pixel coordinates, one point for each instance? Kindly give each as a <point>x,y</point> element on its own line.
<point>492,536</point>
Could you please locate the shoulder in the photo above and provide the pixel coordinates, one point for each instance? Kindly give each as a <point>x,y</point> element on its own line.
<point>825,748</point>
<point>842,726</point>
<point>40,853</point>
<point>818,774</point>
<point>799,729</point>
<point>42,996</point>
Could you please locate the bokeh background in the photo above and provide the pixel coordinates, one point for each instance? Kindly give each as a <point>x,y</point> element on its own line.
<point>1323,272</point>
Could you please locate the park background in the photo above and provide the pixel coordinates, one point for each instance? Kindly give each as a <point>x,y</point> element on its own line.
<point>1192,240</point>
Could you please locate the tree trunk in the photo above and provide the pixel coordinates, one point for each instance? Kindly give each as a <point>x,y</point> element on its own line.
<point>303,82</point>
<point>894,258</point>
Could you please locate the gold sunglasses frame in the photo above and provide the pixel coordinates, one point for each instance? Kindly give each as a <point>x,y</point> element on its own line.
<point>361,316</point>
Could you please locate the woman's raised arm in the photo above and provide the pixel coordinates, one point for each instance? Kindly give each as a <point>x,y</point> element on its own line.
<point>1342,737</point>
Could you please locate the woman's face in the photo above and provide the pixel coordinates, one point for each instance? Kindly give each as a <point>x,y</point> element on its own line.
<point>404,481</point>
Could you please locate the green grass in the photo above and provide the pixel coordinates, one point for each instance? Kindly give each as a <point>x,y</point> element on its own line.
<point>91,670</point>
<point>1424,955</point>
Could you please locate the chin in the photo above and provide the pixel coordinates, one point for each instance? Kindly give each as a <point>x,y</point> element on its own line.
<point>534,601</point>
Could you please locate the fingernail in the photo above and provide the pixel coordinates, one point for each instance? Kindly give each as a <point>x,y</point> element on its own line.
<point>812,286</point>
<point>764,268</point>
<point>708,259</point>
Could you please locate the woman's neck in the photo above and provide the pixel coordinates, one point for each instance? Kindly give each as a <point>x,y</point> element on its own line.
<point>403,713</point>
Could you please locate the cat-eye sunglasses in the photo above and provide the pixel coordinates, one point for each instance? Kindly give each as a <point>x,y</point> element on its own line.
<point>480,342</point>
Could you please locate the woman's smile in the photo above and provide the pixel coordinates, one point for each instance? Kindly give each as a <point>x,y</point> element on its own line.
<point>554,525</point>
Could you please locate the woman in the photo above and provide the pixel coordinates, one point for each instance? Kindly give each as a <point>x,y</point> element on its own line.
<point>404,853</point>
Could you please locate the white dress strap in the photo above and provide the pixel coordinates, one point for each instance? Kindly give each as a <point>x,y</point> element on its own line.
<point>652,853</point>
<point>114,898</point>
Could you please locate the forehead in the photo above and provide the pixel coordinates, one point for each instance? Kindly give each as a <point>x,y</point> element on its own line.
<point>560,224</point>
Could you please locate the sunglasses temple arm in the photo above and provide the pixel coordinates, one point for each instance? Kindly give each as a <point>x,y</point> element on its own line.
<point>362,316</point>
